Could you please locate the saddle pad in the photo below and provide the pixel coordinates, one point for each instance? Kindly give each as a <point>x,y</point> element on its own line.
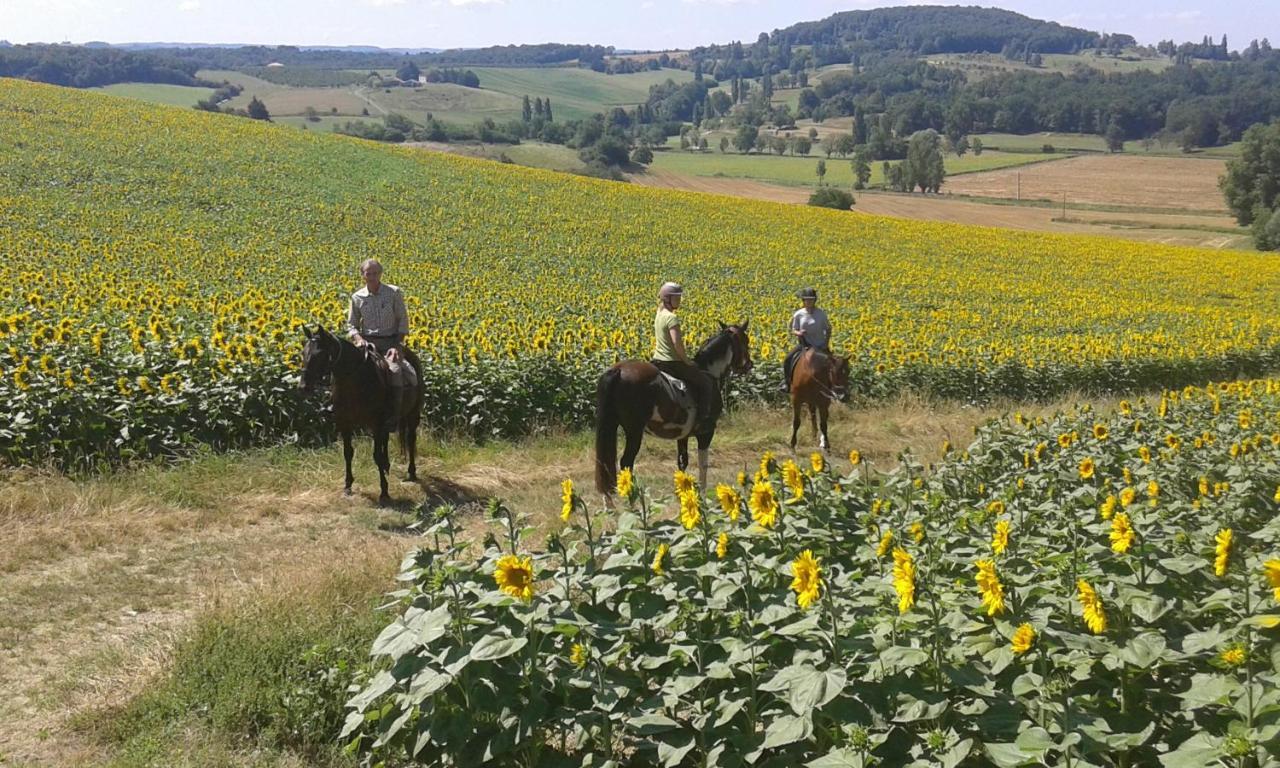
<point>402,374</point>
<point>676,390</point>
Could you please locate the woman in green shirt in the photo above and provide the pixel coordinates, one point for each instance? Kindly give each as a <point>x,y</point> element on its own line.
<point>670,356</point>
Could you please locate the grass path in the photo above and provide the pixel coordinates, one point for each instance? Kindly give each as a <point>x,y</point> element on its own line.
<point>99,577</point>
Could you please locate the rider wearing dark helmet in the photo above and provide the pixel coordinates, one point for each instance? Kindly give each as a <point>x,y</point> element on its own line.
<point>670,356</point>
<point>811,328</point>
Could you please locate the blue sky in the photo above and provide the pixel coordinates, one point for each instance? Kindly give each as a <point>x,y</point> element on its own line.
<point>639,24</point>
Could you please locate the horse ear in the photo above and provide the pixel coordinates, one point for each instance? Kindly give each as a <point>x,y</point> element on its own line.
<point>306,331</point>
<point>723,327</point>
<point>744,325</point>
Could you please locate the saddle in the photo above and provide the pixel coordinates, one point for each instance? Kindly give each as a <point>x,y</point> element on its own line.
<point>401,373</point>
<point>676,390</point>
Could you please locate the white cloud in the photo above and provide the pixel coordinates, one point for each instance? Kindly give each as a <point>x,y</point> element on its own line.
<point>719,2</point>
<point>189,5</point>
<point>476,2</point>
<point>384,3</point>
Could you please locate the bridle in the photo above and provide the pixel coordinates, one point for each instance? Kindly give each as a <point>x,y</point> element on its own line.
<point>333,364</point>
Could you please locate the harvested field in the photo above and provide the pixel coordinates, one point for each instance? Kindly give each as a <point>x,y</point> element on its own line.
<point>1178,183</point>
<point>1171,229</point>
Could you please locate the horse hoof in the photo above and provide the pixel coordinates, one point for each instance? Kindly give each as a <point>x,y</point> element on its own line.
<point>346,491</point>
<point>384,500</point>
<point>412,477</point>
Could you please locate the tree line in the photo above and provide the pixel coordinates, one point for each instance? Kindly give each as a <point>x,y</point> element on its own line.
<point>79,67</point>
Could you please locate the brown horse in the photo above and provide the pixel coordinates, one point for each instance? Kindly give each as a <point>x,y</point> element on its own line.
<point>362,396</point>
<point>635,396</point>
<point>819,377</point>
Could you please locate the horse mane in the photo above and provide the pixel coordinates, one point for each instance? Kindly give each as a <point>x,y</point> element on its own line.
<point>712,347</point>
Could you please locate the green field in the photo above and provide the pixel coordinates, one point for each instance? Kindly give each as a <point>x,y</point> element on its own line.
<point>173,95</point>
<point>577,93</point>
<point>801,171</point>
<point>1088,142</point>
<point>980,65</point>
<point>574,94</point>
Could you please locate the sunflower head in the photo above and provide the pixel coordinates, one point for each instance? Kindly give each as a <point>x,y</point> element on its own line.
<point>514,576</point>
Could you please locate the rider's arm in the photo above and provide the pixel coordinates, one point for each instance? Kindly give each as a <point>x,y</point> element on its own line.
<point>797,329</point>
<point>677,343</point>
<point>353,323</point>
<point>402,317</point>
<point>830,333</point>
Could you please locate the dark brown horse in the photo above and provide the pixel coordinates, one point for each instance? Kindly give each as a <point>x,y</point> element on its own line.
<point>633,395</point>
<point>362,399</point>
<point>819,377</point>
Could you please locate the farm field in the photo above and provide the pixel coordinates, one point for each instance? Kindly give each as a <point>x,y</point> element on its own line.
<point>980,65</point>
<point>531,154</point>
<point>577,93</point>
<point>156,93</point>
<point>1168,183</point>
<point>574,93</point>
<point>1034,142</point>
<point>800,171</point>
<point>1218,232</point>
<point>142,316</point>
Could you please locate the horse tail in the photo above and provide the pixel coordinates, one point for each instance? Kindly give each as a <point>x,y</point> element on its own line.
<point>607,431</point>
<point>410,420</point>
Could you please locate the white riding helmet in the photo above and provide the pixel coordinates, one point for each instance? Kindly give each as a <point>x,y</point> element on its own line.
<point>670,289</point>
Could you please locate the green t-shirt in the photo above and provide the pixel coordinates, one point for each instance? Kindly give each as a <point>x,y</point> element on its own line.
<point>663,322</point>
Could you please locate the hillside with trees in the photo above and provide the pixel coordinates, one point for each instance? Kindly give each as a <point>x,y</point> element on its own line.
<point>910,30</point>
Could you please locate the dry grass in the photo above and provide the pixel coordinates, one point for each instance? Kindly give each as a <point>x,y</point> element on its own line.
<point>1167,228</point>
<point>98,577</point>
<point>1175,183</point>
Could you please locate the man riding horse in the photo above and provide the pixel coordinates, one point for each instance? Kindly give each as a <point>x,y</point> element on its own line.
<point>377,319</point>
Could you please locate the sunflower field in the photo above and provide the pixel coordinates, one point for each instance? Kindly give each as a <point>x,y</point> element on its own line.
<point>1088,590</point>
<point>159,263</point>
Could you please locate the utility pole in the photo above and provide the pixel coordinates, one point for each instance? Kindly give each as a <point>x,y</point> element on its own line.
<point>1064,206</point>
<point>1019,175</point>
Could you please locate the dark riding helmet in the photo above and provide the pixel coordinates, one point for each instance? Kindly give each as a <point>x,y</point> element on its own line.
<point>808,293</point>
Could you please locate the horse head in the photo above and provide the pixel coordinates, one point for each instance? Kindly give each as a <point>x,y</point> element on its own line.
<point>840,377</point>
<point>320,354</point>
<point>741,344</point>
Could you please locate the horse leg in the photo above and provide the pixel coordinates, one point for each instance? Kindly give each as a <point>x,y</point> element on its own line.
<point>813,418</point>
<point>823,410</point>
<point>682,454</point>
<point>383,460</point>
<point>795,419</point>
<point>634,433</point>
<point>704,458</point>
<point>411,446</point>
<point>348,452</point>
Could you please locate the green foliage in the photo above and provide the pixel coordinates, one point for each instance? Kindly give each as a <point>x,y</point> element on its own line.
<point>257,110</point>
<point>1251,184</point>
<point>924,167</point>
<point>642,156</point>
<point>270,675</point>
<point>695,634</point>
<point>831,197</point>
<point>745,138</point>
<point>1266,231</point>
<point>309,77</point>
